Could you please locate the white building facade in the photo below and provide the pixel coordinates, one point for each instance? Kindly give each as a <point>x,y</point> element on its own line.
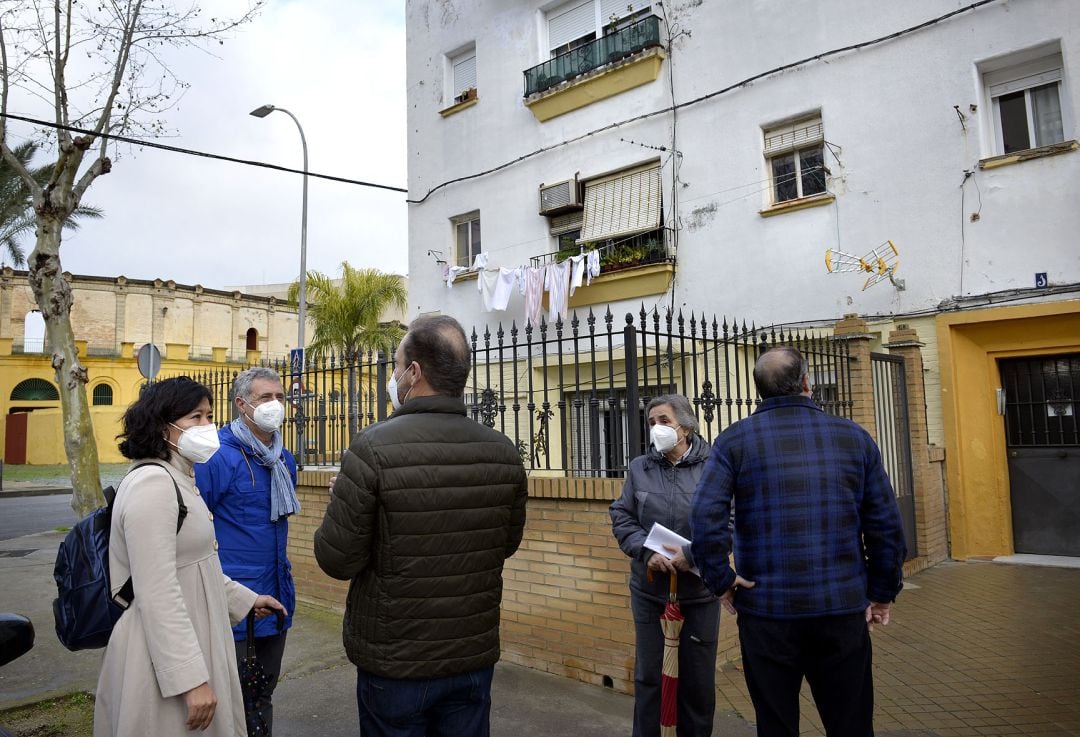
<point>717,150</point>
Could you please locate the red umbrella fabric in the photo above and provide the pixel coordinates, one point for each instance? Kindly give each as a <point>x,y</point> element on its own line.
<point>671,621</point>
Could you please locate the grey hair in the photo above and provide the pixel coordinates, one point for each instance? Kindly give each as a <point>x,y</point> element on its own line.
<point>243,381</point>
<point>680,405</point>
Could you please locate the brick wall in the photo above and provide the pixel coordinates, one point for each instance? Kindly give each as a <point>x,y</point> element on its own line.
<point>566,605</point>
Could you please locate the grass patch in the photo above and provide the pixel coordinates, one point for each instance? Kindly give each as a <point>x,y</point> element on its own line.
<point>62,528</point>
<point>67,716</point>
<point>59,475</point>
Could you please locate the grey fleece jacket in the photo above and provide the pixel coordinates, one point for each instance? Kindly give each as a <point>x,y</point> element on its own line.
<point>657,491</point>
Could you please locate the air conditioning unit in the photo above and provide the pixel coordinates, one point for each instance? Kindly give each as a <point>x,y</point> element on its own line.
<point>560,197</point>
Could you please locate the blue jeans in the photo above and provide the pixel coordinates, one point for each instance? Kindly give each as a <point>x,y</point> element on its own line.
<point>452,706</point>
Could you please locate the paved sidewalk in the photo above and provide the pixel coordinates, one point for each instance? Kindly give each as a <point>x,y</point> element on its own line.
<point>974,649</point>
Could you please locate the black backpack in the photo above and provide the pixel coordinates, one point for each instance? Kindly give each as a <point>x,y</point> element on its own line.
<point>84,610</point>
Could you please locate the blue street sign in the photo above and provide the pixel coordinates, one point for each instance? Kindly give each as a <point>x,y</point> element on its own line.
<point>1041,280</point>
<point>296,361</point>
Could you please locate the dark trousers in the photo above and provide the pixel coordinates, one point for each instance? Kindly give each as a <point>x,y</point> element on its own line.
<point>269,651</point>
<point>452,706</point>
<point>697,667</point>
<point>832,653</point>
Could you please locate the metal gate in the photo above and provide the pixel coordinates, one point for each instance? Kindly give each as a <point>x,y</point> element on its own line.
<point>894,436</point>
<point>1040,403</point>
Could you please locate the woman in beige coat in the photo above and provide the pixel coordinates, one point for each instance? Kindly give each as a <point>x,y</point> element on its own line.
<point>170,665</point>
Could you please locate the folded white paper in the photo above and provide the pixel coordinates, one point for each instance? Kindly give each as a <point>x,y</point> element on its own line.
<point>659,536</point>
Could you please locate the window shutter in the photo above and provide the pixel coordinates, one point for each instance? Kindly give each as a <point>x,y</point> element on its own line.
<point>569,22</point>
<point>464,72</point>
<point>622,204</point>
<point>1033,74</point>
<point>794,135</point>
<point>567,223</point>
<point>621,8</point>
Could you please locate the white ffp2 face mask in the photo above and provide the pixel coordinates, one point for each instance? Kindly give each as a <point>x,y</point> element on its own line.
<point>392,390</point>
<point>199,443</point>
<point>664,437</point>
<point>268,416</point>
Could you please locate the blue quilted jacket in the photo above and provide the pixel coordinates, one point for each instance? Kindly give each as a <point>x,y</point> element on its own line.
<point>236,488</point>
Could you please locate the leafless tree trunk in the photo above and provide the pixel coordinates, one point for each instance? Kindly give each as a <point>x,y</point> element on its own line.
<point>122,86</point>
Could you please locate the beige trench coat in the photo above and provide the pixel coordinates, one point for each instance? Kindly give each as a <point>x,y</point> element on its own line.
<point>177,633</point>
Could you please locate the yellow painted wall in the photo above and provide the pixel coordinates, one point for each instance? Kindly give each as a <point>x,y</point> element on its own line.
<point>969,346</point>
<point>44,435</point>
<point>45,441</point>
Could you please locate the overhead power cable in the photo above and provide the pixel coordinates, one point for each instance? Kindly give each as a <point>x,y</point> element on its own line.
<point>709,95</point>
<point>203,154</point>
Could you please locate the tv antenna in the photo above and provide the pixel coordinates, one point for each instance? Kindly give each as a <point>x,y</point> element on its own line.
<point>881,264</point>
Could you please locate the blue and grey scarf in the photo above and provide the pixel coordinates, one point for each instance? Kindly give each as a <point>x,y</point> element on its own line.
<point>283,499</point>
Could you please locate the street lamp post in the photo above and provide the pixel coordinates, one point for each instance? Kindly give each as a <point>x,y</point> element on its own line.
<point>262,112</point>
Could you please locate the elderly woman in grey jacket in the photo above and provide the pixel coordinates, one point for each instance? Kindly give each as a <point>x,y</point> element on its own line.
<point>658,488</point>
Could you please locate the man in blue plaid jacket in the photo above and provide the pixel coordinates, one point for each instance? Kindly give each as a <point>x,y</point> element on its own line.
<point>818,544</point>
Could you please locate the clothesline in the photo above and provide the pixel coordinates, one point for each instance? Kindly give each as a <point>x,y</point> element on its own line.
<point>560,280</point>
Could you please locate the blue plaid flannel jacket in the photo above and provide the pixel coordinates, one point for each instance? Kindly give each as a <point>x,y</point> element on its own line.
<point>817,527</point>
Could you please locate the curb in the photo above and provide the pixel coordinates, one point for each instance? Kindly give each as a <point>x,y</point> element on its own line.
<point>37,491</point>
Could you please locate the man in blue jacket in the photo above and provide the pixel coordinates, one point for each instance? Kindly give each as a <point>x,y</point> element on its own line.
<point>818,544</point>
<point>250,488</point>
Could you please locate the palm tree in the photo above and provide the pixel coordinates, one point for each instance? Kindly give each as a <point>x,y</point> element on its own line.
<point>17,206</point>
<point>346,314</point>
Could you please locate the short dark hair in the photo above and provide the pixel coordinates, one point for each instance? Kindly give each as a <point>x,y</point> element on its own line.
<point>439,345</point>
<point>778,372</point>
<point>158,404</point>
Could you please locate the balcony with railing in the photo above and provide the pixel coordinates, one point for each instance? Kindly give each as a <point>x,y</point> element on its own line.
<point>636,266</point>
<point>609,49</point>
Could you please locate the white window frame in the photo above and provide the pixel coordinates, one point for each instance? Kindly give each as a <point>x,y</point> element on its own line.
<point>1021,73</point>
<point>795,137</point>
<point>451,88</point>
<point>456,222</point>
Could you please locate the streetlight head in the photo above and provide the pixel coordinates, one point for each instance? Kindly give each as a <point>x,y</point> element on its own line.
<point>262,112</point>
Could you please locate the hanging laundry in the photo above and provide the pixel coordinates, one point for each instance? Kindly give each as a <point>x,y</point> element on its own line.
<point>557,283</point>
<point>496,286</point>
<point>480,262</point>
<point>534,293</point>
<point>485,282</point>
<point>577,271</point>
<point>452,272</point>
<point>504,287</point>
<point>592,267</point>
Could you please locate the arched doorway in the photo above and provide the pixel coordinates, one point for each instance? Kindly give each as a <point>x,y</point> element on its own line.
<point>252,339</point>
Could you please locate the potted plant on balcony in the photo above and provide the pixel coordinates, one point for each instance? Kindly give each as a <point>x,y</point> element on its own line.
<point>469,94</point>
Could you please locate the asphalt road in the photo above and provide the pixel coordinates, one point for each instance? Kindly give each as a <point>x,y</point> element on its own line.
<point>26,515</point>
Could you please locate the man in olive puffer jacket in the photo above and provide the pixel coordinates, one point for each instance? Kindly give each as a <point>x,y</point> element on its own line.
<point>425,510</point>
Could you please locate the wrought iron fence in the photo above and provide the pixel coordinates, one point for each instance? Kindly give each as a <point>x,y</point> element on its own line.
<point>326,404</point>
<point>607,49</point>
<point>570,395</point>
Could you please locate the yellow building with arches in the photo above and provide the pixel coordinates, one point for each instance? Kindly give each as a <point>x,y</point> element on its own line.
<point>113,317</point>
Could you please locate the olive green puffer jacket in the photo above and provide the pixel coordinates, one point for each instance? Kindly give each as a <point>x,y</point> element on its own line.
<point>427,507</point>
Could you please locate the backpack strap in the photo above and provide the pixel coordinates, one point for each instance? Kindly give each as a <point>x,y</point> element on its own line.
<point>127,591</point>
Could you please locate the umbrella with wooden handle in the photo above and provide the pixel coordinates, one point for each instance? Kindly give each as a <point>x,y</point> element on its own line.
<point>671,621</point>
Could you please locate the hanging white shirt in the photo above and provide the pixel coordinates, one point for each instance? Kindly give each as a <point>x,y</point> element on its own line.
<point>592,268</point>
<point>452,272</point>
<point>534,294</point>
<point>557,284</point>
<point>480,262</point>
<point>496,286</point>
<point>577,271</point>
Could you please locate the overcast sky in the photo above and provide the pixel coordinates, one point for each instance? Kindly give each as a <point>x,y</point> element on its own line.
<point>339,66</point>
